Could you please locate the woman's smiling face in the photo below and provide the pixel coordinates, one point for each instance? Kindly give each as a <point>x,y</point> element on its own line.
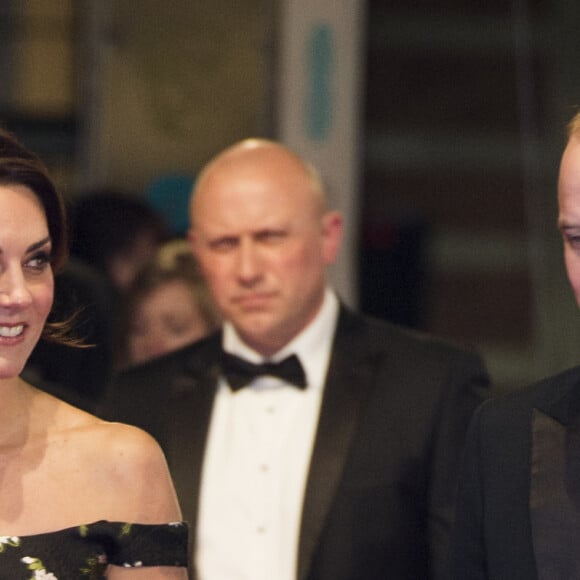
<point>26,278</point>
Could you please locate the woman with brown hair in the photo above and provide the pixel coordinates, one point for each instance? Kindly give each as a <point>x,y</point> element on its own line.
<point>79,497</point>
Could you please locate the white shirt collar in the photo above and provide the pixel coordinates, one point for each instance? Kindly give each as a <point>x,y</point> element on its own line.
<point>312,345</point>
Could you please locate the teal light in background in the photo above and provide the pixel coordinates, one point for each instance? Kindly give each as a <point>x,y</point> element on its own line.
<point>320,71</point>
<point>169,194</point>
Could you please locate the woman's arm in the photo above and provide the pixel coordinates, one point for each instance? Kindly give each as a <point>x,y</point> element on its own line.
<point>143,493</point>
<point>139,485</point>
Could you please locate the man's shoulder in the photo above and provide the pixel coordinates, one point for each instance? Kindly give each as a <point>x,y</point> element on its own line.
<point>158,380</point>
<point>193,358</point>
<point>382,335</point>
<point>556,395</point>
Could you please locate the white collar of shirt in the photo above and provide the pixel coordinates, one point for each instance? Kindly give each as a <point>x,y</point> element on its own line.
<point>312,345</point>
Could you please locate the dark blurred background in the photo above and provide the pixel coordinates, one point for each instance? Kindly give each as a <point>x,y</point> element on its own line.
<point>462,116</point>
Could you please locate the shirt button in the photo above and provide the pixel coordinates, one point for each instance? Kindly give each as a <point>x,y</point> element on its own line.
<point>261,530</point>
<point>264,468</point>
<point>270,409</point>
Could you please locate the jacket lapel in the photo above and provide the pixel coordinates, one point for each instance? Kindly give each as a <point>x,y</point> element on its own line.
<point>348,383</point>
<point>189,426</point>
<point>555,487</point>
<point>192,394</point>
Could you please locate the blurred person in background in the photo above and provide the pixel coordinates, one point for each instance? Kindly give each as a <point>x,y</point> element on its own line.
<point>114,235</point>
<point>167,306</point>
<point>117,233</point>
<point>77,375</point>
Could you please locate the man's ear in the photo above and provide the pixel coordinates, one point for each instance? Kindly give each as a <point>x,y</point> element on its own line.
<point>332,230</point>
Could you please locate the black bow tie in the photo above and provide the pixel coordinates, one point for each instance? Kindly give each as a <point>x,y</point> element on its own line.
<point>240,372</point>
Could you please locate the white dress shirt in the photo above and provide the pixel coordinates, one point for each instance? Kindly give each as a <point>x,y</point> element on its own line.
<point>257,459</point>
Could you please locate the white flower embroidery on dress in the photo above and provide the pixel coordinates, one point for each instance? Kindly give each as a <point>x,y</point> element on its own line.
<point>137,564</point>
<point>36,566</point>
<point>11,541</point>
<point>44,575</point>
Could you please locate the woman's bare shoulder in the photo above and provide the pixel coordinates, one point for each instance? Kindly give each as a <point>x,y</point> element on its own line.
<point>129,461</point>
<point>136,465</point>
<point>123,449</point>
<point>127,443</point>
<point>64,418</point>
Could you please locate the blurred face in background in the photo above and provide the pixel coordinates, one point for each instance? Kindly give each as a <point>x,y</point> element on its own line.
<point>164,320</point>
<point>125,265</point>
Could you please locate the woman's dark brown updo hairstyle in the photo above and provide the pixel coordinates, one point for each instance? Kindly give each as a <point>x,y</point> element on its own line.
<point>19,166</point>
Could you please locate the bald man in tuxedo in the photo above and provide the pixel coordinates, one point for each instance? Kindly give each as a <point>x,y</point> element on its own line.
<point>306,442</point>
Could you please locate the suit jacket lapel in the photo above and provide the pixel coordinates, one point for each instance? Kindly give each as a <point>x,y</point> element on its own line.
<point>348,382</point>
<point>190,424</point>
<point>555,486</point>
<point>192,396</point>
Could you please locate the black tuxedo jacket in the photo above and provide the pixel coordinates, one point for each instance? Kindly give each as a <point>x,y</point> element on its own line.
<point>381,486</point>
<point>518,513</point>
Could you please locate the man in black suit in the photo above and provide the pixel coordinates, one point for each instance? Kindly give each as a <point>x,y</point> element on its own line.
<point>518,513</point>
<point>352,474</point>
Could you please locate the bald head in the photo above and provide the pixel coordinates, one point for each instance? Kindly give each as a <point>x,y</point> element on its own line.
<point>261,160</point>
<point>263,238</point>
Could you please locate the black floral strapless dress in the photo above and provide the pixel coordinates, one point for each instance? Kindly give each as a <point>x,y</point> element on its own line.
<point>84,552</point>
